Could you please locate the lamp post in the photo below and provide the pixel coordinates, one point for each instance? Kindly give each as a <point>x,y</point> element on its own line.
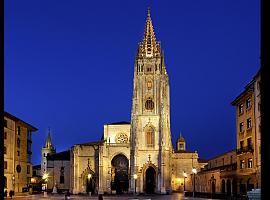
<point>185,176</point>
<point>135,178</point>
<point>89,176</point>
<point>194,171</point>
<point>45,178</point>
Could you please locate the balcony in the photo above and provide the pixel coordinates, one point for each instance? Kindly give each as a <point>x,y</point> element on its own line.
<point>245,149</point>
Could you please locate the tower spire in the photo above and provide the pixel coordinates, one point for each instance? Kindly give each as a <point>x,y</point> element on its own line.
<point>149,46</point>
<point>48,143</point>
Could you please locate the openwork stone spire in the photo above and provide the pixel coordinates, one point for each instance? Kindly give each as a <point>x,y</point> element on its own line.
<point>48,143</point>
<point>149,47</point>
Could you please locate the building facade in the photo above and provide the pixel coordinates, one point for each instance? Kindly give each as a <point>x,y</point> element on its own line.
<point>247,106</point>
<point>17,153</point>
<point>138,156</point>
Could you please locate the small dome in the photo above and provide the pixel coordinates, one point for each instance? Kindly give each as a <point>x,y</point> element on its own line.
<point>181,139</point>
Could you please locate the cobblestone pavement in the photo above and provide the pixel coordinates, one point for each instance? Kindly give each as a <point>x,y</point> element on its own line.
<point>174,196</point>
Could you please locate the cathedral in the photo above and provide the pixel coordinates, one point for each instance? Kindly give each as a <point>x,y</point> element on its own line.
<point>136,156</point>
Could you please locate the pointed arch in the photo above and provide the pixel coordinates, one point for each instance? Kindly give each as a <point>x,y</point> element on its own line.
<point>149,136</point>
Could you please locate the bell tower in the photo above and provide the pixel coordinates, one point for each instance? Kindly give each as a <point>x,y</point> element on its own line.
<point>151,145</point>
<point>48,148</point>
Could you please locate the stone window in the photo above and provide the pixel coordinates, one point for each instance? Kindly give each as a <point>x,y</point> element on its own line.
<point>149,104</point>
<point>18,142</point>
<point>242,164</point>
<point>121,138</point>
<point>241,127</point>
<point>149,84</point>
<point>241,145</point>
<point>62,175</point>
<point>5,150</point>
<point>249,123</point>
<point>241,108</point>
<point>5,123</point>
<point>28,169</point>
<point>248,103</point>
<point>5,164</point>
<point>19,130</point>
<point>18,153</point>
<point>250,163</point>
<point>249,143</point>
<point>5,135</point>
<point>149,137</point>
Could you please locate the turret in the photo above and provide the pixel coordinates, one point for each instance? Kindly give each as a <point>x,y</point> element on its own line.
<point>181,143</point>
<point>48,148</point>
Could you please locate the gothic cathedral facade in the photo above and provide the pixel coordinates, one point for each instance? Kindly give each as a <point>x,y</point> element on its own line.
<point>137,156</point>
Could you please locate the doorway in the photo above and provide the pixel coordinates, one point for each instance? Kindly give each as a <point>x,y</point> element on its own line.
<point>150,180</point>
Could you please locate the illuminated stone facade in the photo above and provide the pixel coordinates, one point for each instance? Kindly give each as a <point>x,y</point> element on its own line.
<point>137,156</point>
<point>17,153</point>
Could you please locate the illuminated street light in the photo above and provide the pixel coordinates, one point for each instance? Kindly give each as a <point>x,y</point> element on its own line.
<point>185,176</point>
<point>135,178</point>
<point>194,171</point>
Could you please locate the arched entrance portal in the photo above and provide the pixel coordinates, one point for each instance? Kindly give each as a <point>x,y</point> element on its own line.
<point>120,174</point>
<point>150,180</point>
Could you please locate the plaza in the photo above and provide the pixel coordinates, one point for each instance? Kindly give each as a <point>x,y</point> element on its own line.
<point>174,196</point>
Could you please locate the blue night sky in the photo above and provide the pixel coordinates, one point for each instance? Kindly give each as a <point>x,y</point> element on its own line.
<point>69,66</point>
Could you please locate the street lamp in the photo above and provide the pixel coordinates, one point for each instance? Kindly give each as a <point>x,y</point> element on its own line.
<point>135,178</point>
<point>194,171</point>
<point>45,178</point>
<point>185,176</point>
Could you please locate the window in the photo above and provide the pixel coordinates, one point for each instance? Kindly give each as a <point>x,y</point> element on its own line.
<point>149,69</point>
<point>5,135</point>
<point>241,127</point>
<point>248,102</point>
<point>29,135</point>
<point>28,169</point>
<point>5,123</point>
<point>248,123</point>
<point>18,142</point>
<point>249,143</point>
<point>62,177</point>
<point>231,159</point>
<point>241,144</point>
<point>241,108</point>
<point>149,85</point>
<point>149,137</point>
<point>18,153</point>
<point>149,104</point>
<point>5,150</point>
<point>5,164</point>
<point>19,130</point>
<point>250,163</point>
<point>259,85</point>
<point>242,164</point>
<point>5,182</point>
<point>259,106</point>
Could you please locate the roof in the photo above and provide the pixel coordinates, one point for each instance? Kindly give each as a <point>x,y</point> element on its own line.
<point>92,143</point>
<point>184,151</point>
<point>119,123</point>
<point>231,151</point>
<point>247,88</point>
<point>200,160</point>
<point>16,119</point>
<point>64,155</point>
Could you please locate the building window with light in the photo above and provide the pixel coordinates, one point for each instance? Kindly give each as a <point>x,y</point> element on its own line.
<point>250,163</point>
<point>248,103</point>
<point>241,127</point>
<point>242,164</point>
<point>249,123</point>
<point>19,130</point>
<point>241,108</point>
